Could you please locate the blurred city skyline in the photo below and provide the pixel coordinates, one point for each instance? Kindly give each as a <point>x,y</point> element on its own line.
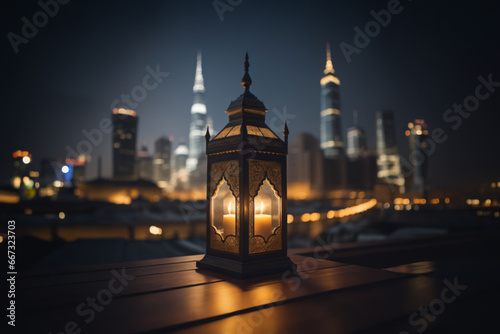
<point>65,78</point>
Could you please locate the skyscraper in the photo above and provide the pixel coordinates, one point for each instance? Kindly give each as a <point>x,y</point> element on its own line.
<point>161,162</point>
<point>417,134</point>
<point>305,172</point>
<point>22,167</point>
<point>124,143</point>
<point>198,120</point>
<point>78,169</point>
<point>330,130</point>
<point>144,164</point>
<point>361,164</point>
<point>181,177</point>
<point>388,161</point>
<point>356,140</point>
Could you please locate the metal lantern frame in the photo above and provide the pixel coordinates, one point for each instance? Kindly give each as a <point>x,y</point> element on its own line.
<point>246,156</point>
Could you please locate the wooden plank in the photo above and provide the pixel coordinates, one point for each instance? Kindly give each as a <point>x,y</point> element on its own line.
<point>307,263</point>
<point>138,268</point>
<point>172,276</point>
<point>420,268</point>
<point>103,274</point>
<point>345,311</point>
<point>108,266</point>
<point>73,294</point>
<point>146,312</point>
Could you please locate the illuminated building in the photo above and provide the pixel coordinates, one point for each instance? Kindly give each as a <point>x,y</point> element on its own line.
<point>356,142</point>
<point>417,133</point>
<point>23,177</point>
<point>388,161</point>
<point>335,163</point>
<point>180,177</point>
<point>181,155</point>
<point>330,128</point>
<point>22,167</point>
<point>144,164</point>
<point>198,120</point>
<point>305,172</point>
<point>361,164</point>
<point>76,174</point>
<point>161,161</point>
<point>124,143</point>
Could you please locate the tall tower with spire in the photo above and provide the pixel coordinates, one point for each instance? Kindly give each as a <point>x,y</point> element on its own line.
<point>198,120</point>
<point>330,128</point>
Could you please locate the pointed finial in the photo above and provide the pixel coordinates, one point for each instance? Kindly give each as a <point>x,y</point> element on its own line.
<point>328,52</point>
<point>246,82</point>
<point>285,130</point>
<point>207,134</point>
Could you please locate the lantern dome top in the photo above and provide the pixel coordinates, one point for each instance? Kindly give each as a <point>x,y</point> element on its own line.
<point>247,129</point>
<point>246,100</point>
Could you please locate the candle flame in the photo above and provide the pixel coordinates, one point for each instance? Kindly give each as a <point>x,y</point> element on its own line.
<point>229,207</point>
<point>261,207</point>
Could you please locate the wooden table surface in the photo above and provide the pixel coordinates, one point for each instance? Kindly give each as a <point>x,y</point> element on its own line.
<point>172,295</point>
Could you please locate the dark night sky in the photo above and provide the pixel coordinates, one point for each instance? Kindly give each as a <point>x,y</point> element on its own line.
<point>428,58</point>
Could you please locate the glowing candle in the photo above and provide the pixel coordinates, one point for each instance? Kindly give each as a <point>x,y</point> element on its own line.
<point>263,224</point>
<point>229,221</point>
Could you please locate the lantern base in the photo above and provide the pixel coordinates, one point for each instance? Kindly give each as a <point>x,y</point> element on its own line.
<point>247,269</point>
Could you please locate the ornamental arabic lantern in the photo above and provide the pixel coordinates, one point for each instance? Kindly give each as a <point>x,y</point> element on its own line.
<point>246,192</point>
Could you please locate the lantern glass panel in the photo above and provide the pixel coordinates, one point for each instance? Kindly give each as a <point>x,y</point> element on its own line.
<point>267,211</point>
<point>223,210</point>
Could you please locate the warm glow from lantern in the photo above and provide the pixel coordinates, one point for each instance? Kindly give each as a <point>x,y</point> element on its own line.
<point>229,220</point>
<point>263,222</point>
